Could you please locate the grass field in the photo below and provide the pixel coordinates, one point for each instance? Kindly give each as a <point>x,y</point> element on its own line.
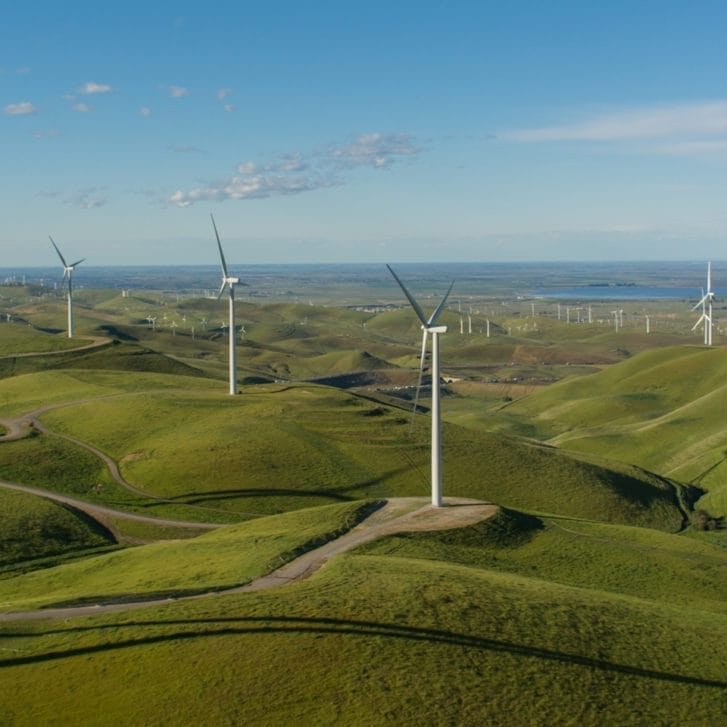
<point>20,338</point>
<point>662,410</point>
<point>314,445</point>
<point>222,559</point>
<point>32,528</point>
<point>576,604</point>
<point>372,638</point>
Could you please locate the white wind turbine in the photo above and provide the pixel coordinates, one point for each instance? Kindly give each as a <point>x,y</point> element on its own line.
<point>67,275</point>
<point>228,282</point>
<point>706,303</point>
<point>429,326</point>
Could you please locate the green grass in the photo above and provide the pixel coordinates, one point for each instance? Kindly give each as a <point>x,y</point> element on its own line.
<point>18,338</point>
<point>221,559</point>
<point>377,638</point>
<point>33,528</point>
<point>61,466</point>
<point>313,445</point>
<point>661,410</point>
<point>598,556</point>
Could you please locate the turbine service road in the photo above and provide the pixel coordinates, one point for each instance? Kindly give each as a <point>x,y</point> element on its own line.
<point>396,516</point>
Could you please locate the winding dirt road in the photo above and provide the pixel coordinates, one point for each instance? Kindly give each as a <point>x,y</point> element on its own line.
<point>96,342</point>
<point>396,516</point>
<point>100,511</point>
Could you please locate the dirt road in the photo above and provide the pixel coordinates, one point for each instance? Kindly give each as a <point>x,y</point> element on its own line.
<point>398,515</point>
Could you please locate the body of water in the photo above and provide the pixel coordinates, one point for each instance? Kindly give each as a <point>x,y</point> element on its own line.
<point>617,292</point>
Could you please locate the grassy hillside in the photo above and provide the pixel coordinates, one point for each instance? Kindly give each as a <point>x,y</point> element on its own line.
<point>31,528</point>
<point>598,556</point>
<point>372,638</point>
<point>20,338</point>
<point>277,448</point>
<point>662,410</point>
<point>221,559</point>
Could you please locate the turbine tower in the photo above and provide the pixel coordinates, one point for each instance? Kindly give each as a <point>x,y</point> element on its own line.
<point>67,275</point>
<point>429,326</point>
<point>706,303</point>
<point>228,282</point>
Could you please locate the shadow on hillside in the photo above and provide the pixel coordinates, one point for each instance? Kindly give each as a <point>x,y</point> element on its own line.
<point>296,625</point>
<point>338,494</point>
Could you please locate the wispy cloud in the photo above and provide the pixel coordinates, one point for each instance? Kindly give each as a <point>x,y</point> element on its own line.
<point>294,173</point>
<point>223,93</point>
<point>21,109</point>
<point>91,88</point>
<point>256,186</point>
<point>82,108</point>
<point>87,198</point>
<point>643,123</point>
<point>177,91</point>
<point>145,111</point>
<point>229,108</point>
<point>374,150</point>
<point>22,71</point>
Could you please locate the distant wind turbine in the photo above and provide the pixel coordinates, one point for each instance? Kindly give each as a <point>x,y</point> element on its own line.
<point>228,282</point>
<point>706,303</point>
<point>429,326</point>
<point>67,275</point>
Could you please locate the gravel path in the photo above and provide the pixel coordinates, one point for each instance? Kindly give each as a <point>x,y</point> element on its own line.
<point>401,514</point>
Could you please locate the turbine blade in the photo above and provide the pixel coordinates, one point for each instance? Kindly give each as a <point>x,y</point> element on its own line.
<point>696,325</point>
<point>219,245</point>
<point>421,374</point>
<point>78,262</point>
<point>702,301</point>
<point>222,289</point>
<point>438,310</point>
<point>709,277</point>
<point>410,298</point>
<point>63,260</point>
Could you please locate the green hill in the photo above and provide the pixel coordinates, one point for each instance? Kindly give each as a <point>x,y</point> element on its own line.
<point>276,448</point>
<point>224,558</point>
<point>662,410</point>
<point>410,640</point>
<point>33,528</point>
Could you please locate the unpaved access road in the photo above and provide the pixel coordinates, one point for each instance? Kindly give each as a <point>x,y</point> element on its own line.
<point>398,515</point>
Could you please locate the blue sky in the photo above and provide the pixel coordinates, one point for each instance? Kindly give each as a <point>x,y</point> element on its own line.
<point>337,131</point>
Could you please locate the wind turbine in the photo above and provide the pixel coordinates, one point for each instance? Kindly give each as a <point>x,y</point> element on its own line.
<point>67,275</point>
<point>429,326</point>
<point>706,303</point>
<point>228,282</point>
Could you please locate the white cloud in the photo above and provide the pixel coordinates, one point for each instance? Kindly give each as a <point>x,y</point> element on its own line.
<point>256,186</point>
<point>223,93</point>
<point>20,109</point>
<point>22,71</point>
<point>644,123</point>
<point>229,108</point>
<point>374,150</point>
<point>91,88</point>
<point>178,91</point>
<point>82,108</point>
<point>294,173</point>
<point>145,111</point>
